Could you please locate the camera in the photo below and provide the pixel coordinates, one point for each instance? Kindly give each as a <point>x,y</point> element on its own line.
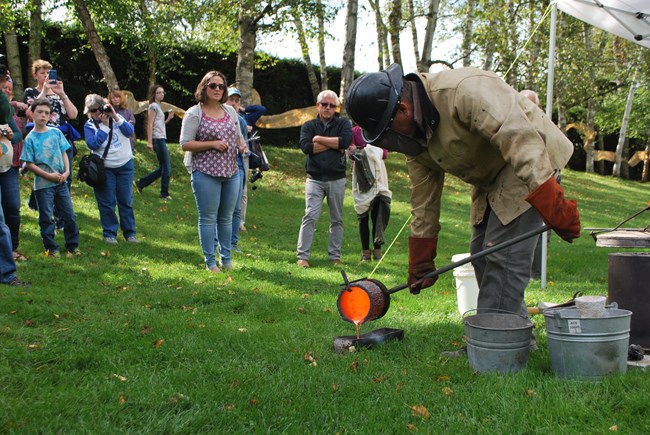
<point>105,108</point>
<point>256,175</point>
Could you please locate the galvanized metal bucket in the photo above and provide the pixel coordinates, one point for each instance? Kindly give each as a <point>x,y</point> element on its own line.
<point>587,348</point>
<point>497,341</point>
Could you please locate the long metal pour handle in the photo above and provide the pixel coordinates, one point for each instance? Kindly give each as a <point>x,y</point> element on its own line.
<point>476,256</point>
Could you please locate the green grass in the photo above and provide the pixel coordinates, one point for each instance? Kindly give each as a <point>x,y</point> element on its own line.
<point>142,339</point>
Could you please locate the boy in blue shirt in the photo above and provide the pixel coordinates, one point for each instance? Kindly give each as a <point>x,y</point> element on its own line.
<point>45,156</point>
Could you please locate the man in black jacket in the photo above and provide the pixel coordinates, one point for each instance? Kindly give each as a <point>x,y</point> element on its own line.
<point>324,140</point>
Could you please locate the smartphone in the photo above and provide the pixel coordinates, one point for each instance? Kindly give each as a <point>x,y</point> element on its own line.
<point>51,76</point>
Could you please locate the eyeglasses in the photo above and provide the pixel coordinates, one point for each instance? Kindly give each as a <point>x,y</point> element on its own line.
<point>330,105</point>
<point>220,86</point>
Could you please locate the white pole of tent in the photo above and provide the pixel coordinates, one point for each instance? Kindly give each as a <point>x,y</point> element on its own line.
<point>549,113</point>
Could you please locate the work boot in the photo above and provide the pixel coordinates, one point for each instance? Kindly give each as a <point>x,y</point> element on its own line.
<point>365,255</point>
<point>377,254</point>
<point>302,263</point>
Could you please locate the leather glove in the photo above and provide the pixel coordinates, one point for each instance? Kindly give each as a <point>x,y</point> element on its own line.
<point>559,213</point>
<point>422,252</point>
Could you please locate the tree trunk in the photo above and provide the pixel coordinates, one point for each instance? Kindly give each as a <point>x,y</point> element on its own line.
<point>304,48</point>
<point>246,57</point>
<point>468,32</point>
<point>35,30</point>
<point>321,47</point>
<point>383,59</point>
<point>347,72</point>
<point>394,28</point>
<point>646,161</point>
<point>414,30</point>
<point>13,61</point>
<point>150,41</point>
<point>427,47</point>
<point>622,135</point>
<point>96,44</point>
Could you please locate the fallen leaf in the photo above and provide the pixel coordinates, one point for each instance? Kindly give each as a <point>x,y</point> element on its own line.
<point>447,391</point>
<point>305,295</point>
<point>229,406</point>
<point>301,310</point>
<point>121,400</point>
<point>243,330</point>
<point>354,365</point>
<point>253,402</point>
<point>613,428</point>
<point>309,357</point>
<point>530,393</point>
<point>158,343</point>
<point>327,310</point>
<point>420,411</point>
<point>146,330</point>
<point>121,378</point>
<point>443,378</point>
<point>378,380</point>
<point>352,349</point>
<point>411,427</point>
<point>335,388</point>
<point>13,312</point>
<point>34,346</point>
<point>29,322</point>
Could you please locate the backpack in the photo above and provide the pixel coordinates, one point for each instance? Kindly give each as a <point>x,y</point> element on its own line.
<point>257,158</point>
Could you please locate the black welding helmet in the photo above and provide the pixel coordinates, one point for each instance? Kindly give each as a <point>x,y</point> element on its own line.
<point>372,103</point>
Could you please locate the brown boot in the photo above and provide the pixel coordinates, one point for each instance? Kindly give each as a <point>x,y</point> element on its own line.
<point>365,255</point>
<point>376,253</point>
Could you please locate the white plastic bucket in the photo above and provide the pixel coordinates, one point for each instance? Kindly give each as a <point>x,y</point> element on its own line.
<point>466,285</point>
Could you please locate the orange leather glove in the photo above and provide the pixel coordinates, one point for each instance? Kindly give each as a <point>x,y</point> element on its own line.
<point>422,252</point>
<point>559,213</point>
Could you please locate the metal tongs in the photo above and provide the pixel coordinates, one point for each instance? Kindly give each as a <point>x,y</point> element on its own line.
<point>595,232</point>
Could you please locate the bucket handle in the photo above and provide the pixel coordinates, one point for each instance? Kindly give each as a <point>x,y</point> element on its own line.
<point>490,310</point>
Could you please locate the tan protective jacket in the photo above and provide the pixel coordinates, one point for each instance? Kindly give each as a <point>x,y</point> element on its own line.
<point>489,136</point>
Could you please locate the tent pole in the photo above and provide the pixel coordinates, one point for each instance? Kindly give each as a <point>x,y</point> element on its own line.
<point>549,114</point>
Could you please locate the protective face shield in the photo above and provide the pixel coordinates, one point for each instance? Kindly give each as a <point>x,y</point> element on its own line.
<point>393,140</point>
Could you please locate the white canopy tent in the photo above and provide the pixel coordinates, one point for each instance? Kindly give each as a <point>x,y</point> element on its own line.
<point>629,19</point>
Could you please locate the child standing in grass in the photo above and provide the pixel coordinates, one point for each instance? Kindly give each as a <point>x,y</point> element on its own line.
<point>44,153</point>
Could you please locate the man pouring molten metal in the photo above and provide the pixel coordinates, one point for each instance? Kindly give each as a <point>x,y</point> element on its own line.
<point>471,124</point>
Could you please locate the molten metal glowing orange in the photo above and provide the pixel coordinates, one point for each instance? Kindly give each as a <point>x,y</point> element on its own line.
<point>354,304</point>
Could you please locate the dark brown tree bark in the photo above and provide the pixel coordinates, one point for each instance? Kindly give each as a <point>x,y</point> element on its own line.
<point>99,51</point>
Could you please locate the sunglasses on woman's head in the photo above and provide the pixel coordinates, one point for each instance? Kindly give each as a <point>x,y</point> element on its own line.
<point>217,86</point>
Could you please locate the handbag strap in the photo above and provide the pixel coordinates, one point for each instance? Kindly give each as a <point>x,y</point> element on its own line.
<point>110,138</point>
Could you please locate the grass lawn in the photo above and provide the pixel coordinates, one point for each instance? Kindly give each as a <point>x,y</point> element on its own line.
<point>142,339</point>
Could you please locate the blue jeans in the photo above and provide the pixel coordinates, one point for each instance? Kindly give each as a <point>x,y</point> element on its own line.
<point>236,215</point>
<point>7,265</point>
<point>57,216</point>
<point>57,196</point>
<point>164,170</point>
<point>11,203</point>
<point>215,200</point>
<point>117,191</point>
